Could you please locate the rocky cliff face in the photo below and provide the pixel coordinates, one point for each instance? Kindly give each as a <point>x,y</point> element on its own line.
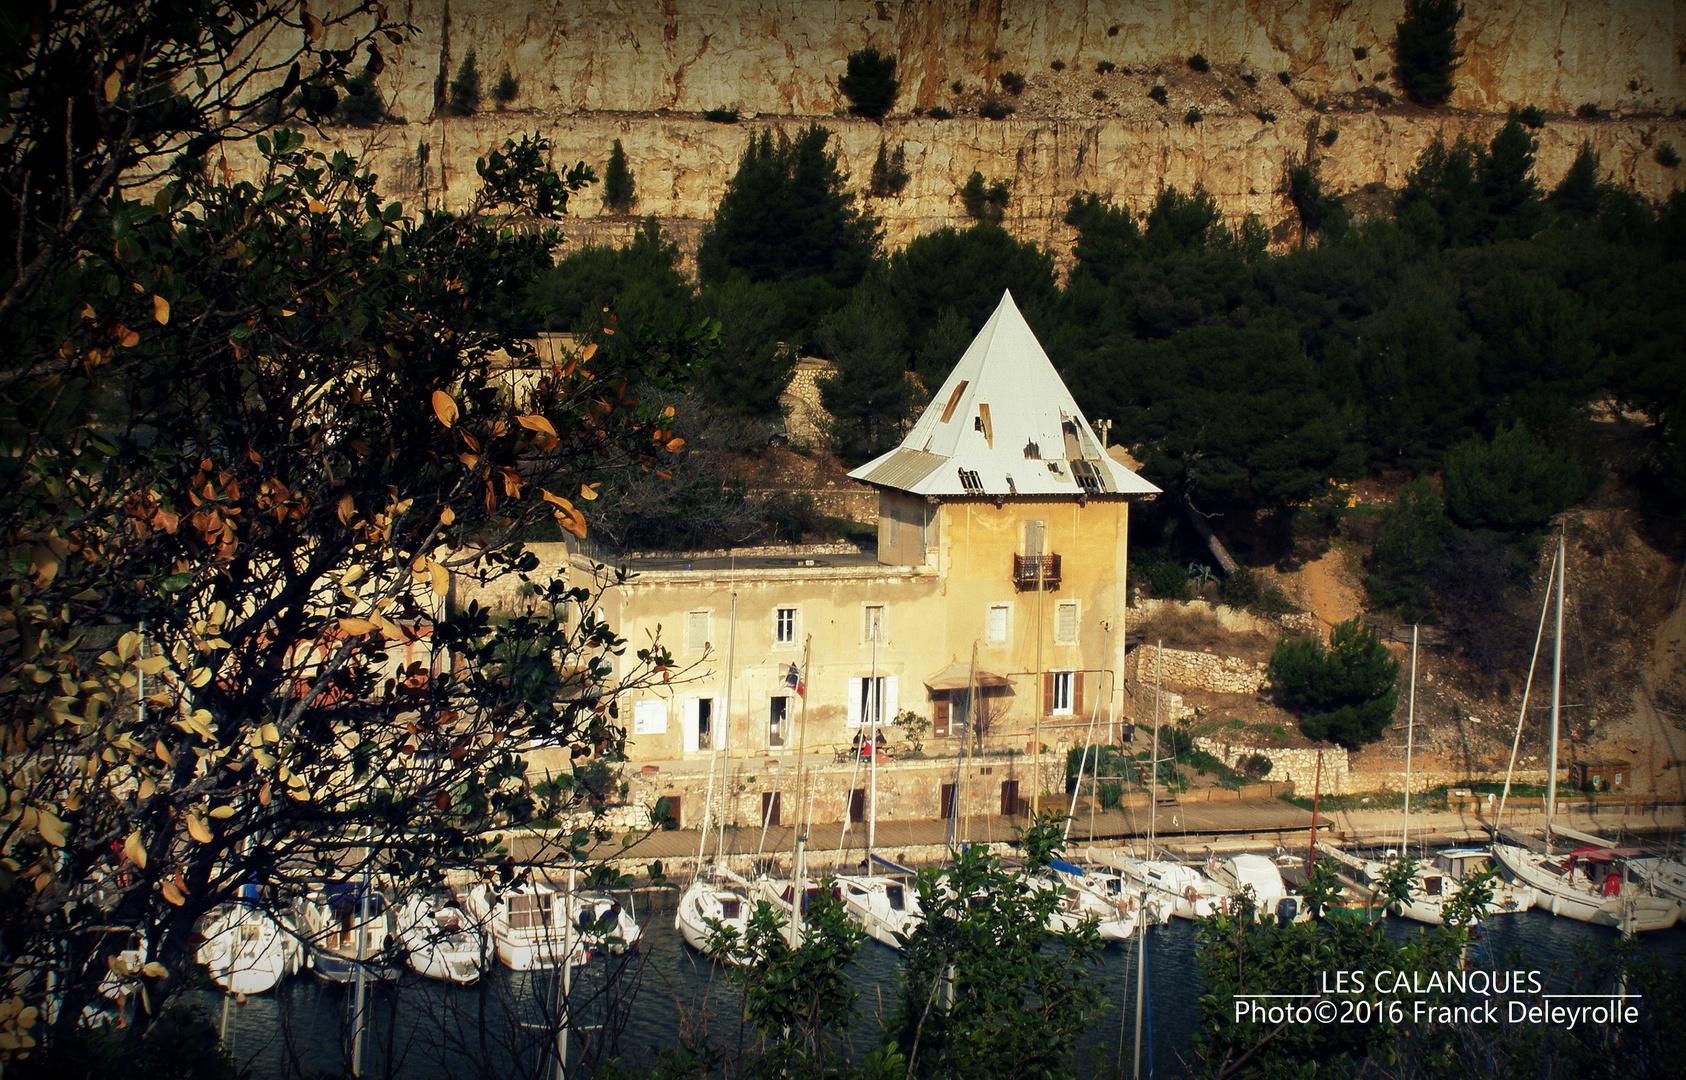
<point>590,73</point>
<point>785,56</point>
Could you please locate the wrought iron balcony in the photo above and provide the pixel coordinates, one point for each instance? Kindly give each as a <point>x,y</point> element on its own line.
<point>1029,569</point>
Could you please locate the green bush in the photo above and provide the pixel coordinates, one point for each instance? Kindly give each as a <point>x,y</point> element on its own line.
<point>1199,63</point>
<point>1254,766</point>
<point>1328,137</point>
<point>1266,116</point>
<point>1193,116</point>
<point>1588,110</point>
<point>465,88</point>
<point>1410,540</point>
<point>1098,94</point>
<point>995,109</point>
<point>1513,483</point>
<point>889,172</point>
<point>1427,49</point>
<point>985,201</point>
<point>1105,67</point>
<point>870,83</point>
<point>618,187</point>
<point>1058,65</point>
<point>721,116</point>
<point>506,88</point>
<point>1168,581</point>
<point>1111,794</point>
<point>1667,156</point>
<point>1533,116</point>
<point>1012,82</point>
<point>1346,692</point>
<point>1158,94</point>
<point>938,112</point>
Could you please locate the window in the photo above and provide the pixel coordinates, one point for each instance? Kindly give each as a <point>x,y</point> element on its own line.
<point>705,723</point>
<point>777,712</point>
<point>1088,477</point>
<point>529,911</point>
<point>872,700</point>
<point>696,631</point>
<point>969,480</point>
<point>1033,537</point>
<point>872,625</point>
<point>1060,693</point>
<point>998,630</point>
<point>784,626</point>
<point>1065,622</point>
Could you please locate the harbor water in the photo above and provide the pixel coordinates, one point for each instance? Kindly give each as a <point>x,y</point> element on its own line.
<point>633,1007</point>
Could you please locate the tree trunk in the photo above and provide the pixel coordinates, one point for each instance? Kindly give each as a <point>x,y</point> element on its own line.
<point>1216,546</point>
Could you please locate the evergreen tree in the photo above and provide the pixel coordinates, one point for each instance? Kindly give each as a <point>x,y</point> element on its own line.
<point>1513,483</point>
<point>1316,210</point>
<point>870,83</point>
<point>1179,222</point>
<point>619,193</point>
<point>786,216</point>
<point>465,88</point>
<point>1580,192</point>
<point>752,367</point>
<point>869,396</point>
<point>1426,48</point>
<point>1508,184</point>
<point>1413,535</point>
<point>506,88</point>
<point>1108,238</point>
<point>889,172</point>
<point>984,201</point>
<point>1442,202</point>
<point>641,282</point>
<point>1346,692</point>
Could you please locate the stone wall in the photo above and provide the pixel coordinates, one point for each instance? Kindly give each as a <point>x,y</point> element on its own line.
<point>1424,779</point>
<point>1297,765</point>
<point>1188,670</point>
<point>806,421</point>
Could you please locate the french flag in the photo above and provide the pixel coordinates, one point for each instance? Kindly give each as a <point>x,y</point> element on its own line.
<point>793,679</point>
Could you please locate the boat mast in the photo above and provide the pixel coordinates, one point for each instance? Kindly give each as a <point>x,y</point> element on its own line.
<point>1158,693</point>
<point>725,739</point>
<point>875,698</point>
<point>1410,725</point>
<point>965,736</point>
<point>1556,692</point>
<point>1527,688</point>
<point>1089,739</point>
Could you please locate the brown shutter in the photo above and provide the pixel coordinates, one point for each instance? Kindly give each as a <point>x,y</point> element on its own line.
<point>1048,693</point>
<point>939,716</point>
<point>1077,693</point>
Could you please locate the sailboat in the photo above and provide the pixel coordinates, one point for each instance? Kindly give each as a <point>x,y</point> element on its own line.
<point>246,949</point>
<point>1605,893</point>
<point>716,898</point>
<point>1189,893</point>
<point>885,907</point>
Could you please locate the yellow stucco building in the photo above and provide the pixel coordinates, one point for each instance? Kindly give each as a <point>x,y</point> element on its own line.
<point>999,580</point>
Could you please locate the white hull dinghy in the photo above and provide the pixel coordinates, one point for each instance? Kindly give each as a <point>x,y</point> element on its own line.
<point>709,902</point>
<point>1587,884</point>
<point>527,928</point>
<point>441,941</point>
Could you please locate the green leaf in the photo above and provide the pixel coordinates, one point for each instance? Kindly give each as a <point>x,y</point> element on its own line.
<point>175,583</point>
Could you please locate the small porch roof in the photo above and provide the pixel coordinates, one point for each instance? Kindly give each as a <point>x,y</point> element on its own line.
<point>959,676</point>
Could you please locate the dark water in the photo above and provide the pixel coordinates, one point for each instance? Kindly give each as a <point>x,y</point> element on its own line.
<point>635,1006</point>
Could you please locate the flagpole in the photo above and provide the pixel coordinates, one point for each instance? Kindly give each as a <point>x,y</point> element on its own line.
<point>802,740</point>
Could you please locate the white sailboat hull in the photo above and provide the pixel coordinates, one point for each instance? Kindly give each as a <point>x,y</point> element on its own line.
<point>1575,900</point>
<point>247,951</point>
<point>703,902</point>
<point>869,902</point>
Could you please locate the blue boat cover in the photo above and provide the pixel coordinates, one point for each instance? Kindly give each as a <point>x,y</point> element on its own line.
<point>897,867</point>
<point>1066,868</point>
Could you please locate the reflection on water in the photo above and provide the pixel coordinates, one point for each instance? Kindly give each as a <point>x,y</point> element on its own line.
<point>632,1007</point>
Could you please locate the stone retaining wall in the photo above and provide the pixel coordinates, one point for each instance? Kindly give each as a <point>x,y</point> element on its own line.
<point>1197,670</point>
<point>1297,765</point>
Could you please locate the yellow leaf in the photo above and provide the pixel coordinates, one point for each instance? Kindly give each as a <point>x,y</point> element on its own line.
<point>263,795</point>
<point>441,578</point>
<point>536,422</point>
<point>152,665</point>
<point>675,445</point>
<point>154,970</point>
<point>146,790</point>
<point>317,206</point>
<point>127,338</point>
<point>588,352</point>
<point>588,492</point>
<point>572,520</point>
<point>45,564</point>
<point>135,850</point>
<point>113,85</point>
<point>347,509</point>
<point>356,627</point>
<point>388,629</point>
<point>445,408</point>
<point>160,309</point>
<point>222,812</point>
<point>556,500</point>
<point>199,677</point>
<point>163,753</point>
<point>269,733</point>
<point>197,829</point>
<point>173,894</point>
<point>50,827</point>
<point>447,515</point>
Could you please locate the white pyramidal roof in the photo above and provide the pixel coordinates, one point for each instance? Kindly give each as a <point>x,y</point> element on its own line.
<point>1003,424</point>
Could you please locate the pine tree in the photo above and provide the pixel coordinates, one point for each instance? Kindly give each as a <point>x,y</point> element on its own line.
<point>505,89</point>
<point>870,83</point>
<point>1427,50</point>
<point>1580,192</point>
<point>889,172</point>
<point>619,192</point>
<point>465,88</point>
<point>1507,181</point>
<point>984,201</point>
<point>869,396</point>
<point>786,216</point>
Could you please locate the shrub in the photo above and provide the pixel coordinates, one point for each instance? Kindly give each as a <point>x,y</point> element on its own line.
<point>465,88</point>
<point>1168,581</point>
<point>1328,137</point>
<point>1105,67</point>
<point>984,201</point>
<point>1426,47</point>
<point>1110,793</point>
<point>1512,483</point>
<point>1346,692</point>
<point>1240,588</point>
<point>1284,78</point>
<point>1533,116</point>
<point>1254,766</point>
<point>1588,111</point>
<point>1098,95</point>
<point>361,106</point>
<point>995,109</point>
<point>1667,156</point>
<point>994,55</point>
<point>870,83</point>
<point>1193,116</point>
<point>1249,78</point>
<point>721,116</point>
<point>618,186</point>
<point>1158,94</point>
<point>1112,31</point>
<point>938,112</point>
<point>1360,53</point>
<point>505,89</point>
<point>1012,82</point>
<point>957,86</point>
<point>889,172</point>
<point>1199,63</point>
<point>1058,65</point>
<point>1266,116</point>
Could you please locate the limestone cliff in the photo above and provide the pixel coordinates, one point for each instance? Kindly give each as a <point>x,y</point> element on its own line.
<point>641,72</point>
